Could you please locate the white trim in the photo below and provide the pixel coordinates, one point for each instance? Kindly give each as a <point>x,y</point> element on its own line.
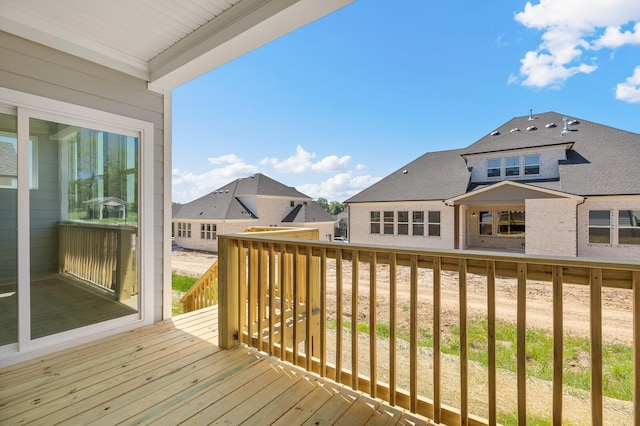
<point>32,106</point>
<point>168,210</point>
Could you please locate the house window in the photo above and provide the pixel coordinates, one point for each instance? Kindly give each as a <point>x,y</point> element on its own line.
<point>9,161</point>
<point>208,231</point>
<point>184,230</point>
<point>629,227</point>
<point>418,223</point>
<point>375,222</point>
<point>388,223</point>
<point>599,226</point>
<point>511,223</point>
<point>403,223</point>
<point>493,167</point>
<point>292,203</point>
<point>512,166</point>
<point>434,223</point>
<point>531,164</point>
<point>486,223</point>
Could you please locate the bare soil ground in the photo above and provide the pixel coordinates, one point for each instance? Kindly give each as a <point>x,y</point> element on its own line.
<point>617,327</point>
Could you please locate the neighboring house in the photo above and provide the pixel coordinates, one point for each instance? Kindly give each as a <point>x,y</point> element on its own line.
<point>343,224</point>
<point>538,184</point>
<point>254,201</point>
<point>85,125</point>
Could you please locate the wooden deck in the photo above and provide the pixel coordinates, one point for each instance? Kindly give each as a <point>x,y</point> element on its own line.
<point>173,373</point>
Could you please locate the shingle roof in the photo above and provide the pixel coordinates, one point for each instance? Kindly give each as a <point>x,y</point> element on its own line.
<point>310,212</point>
<point>433,176</point>
<point>225,202</point>
<point>601,160</point>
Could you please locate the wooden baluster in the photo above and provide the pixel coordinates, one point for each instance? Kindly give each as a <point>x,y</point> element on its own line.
<point>596,346</point>
<point>558,342</point>
<point>323,312</point>
<point>491,341</point>
<point>464,344</point>
<point>413,339</point>
<point>339,322</point>
<point>283,302</point>
<point>355,277</point>
<point>392,329</point>
<point>437,356</point>
<point>373,359</point>
<point>521,338</point>
<point>272,297</point>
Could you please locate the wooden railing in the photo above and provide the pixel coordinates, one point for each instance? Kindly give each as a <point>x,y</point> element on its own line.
<point>203,293</point>
<point>102,255</point>
<point>268,285</point>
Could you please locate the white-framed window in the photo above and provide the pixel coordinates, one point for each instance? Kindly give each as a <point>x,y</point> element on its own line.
<point>184,230</point>
<point>418,223</point>
<point>485,220</point>
<point>208,231</point>
<point>600,226</point>
<point>403,223</point>
<point>434,223</point>
<point>511,223</point>
<point>494,167</point>
<point>629,227</point>
<point>374,223</point>
<point>512,166</point>
<point>532,164</point>
<point>388,223</point>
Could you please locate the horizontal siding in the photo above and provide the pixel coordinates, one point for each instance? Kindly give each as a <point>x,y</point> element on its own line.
<point>36,69</point>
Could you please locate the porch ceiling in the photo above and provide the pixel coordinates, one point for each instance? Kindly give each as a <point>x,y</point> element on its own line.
<point>165,42</point>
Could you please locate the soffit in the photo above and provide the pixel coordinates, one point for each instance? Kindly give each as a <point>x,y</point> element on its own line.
<point>156,39</point>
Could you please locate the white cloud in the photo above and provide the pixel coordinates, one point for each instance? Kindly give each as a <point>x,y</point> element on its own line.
<point>629,91</point>
<point>229,158</point>
<point>571,27</point>
<point>301,162</point>
<point>339,187</point>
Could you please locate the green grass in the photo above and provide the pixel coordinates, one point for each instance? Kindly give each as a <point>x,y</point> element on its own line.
<point>181,282</point>
<point>617,359</point>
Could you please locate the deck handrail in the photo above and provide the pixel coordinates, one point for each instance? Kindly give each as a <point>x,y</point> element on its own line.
<point>203,293</point>
<point>256,272</point>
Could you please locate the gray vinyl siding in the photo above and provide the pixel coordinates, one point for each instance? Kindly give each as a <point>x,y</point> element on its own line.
<point>32,68</point>
<point>8,235</point>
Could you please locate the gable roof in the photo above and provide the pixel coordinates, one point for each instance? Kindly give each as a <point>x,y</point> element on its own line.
<point>164,42</point>
<point>309,212</point>
<point>601,160</point>
<point>225,203</point>
<point>433,176</point>
<point>509,190</point>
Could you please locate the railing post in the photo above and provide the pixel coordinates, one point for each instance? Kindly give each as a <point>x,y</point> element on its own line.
<point>228,320</point>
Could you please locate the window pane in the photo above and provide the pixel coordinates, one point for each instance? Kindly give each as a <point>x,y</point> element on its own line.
<point>434,217</point>
<point>600,235</point>
<point>486,217</point>
<point>418,229</point>
<point>375,216</point>
<point>599,218</point>
<point>512,166</point>
<point>486,229</point>
<point>434,230</point>
<point>84,227</point>
<point>532,165</point>
<point>388,228</point>
<point>403,229</point>
<point>375,227</point>
<point>418,217</point>
<point>403,216</point>
<point>493,167</point>
<point>629,236</point>
<point>8,230</point>
<point>388,216</point>
<point>629,218</point>
<point>629,227</point>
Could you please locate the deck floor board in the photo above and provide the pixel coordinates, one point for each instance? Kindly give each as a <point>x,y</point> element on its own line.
<point>173,372</point>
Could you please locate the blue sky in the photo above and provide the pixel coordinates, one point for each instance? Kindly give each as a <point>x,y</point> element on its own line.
<point>342,102</point>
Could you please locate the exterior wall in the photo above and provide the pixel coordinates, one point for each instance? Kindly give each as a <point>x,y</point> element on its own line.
<point>326,230</point>
<point>549,169</point>
<point>359,224</point>
<point>551,227</point>
<point>612,250</point>
<point>34,69</point>
<point>271,210</point>
<point>476,240</point>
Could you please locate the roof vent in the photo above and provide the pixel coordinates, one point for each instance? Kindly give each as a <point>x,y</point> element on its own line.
<point>495,133</point>
<point>215,192</point>
<point>550,125</point>
<point>226,191</point>
<point>405,171</point>
<point>565,126</point>
<point>530,128</point>
<point>573,122</point>
<point>531,117</point>
<point>515,129</point>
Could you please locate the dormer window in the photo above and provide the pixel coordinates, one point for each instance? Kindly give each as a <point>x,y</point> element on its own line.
<point>493,167</point>
<point>531,164</point>
<point>512,166</point>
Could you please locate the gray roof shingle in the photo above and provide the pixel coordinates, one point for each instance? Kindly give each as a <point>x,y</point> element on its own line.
<point>601,160</point>
<point>309,212</point>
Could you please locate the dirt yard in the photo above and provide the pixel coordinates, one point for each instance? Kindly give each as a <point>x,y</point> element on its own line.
<point>617,322</point>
